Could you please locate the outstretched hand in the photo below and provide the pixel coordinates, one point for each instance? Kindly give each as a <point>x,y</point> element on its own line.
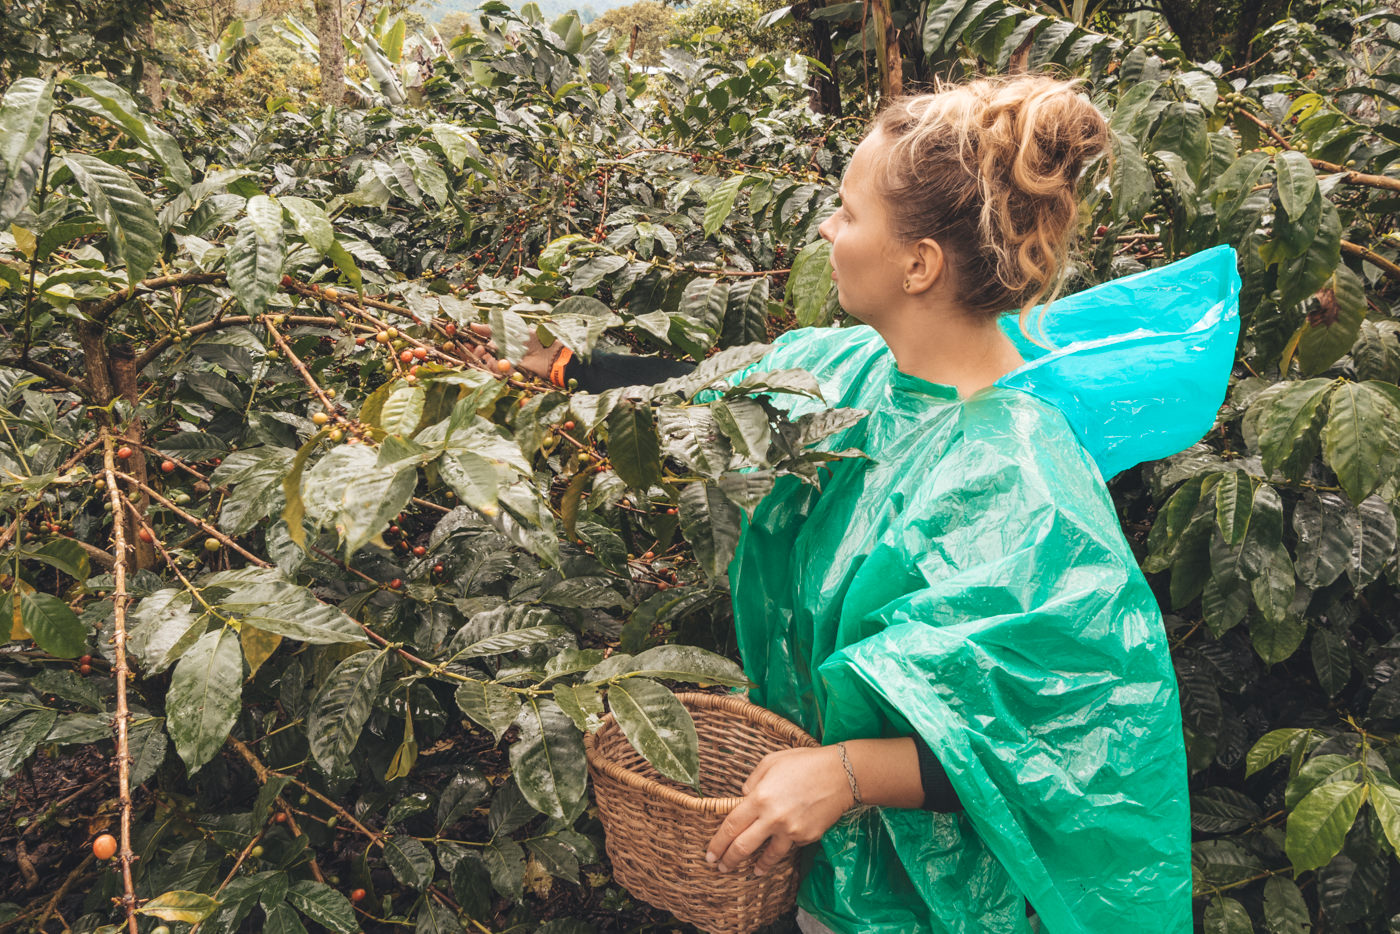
<point>537,359</point>
<point>790,799</point>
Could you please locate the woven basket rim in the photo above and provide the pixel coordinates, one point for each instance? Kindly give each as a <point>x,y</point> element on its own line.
<point>727,703</point>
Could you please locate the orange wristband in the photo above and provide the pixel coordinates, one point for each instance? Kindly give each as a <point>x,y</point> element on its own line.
<point>556,369</point>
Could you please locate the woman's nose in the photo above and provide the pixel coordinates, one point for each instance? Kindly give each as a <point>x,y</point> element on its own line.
<point>824,230</point>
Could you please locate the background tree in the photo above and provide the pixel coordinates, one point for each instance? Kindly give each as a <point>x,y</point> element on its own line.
<point>641,28</point>
<point>332,52</point>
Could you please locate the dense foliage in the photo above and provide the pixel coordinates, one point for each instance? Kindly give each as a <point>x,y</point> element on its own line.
<point>362,595</point>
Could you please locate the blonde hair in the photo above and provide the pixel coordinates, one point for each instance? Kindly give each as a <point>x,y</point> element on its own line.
<point>990,169</point>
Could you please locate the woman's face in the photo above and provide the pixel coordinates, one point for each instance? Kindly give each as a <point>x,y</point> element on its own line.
<point>867,264</point>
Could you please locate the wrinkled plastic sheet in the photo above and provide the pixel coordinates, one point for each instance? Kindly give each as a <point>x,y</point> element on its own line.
<point>970,582</point>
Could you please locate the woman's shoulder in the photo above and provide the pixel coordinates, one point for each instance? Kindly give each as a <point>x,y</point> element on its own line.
<point>818,345</point>
<point>1007,431</point>
<point>1017,418</point>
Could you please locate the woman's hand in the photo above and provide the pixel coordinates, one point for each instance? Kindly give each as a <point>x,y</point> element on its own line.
<point>538,359</point>
<point>790,799</point>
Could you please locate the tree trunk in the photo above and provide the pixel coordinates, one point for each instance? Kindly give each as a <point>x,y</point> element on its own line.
<point>110,374</point>
<point>150,71</point>
<point>890,60</point>
<point>328,34</point>
<point>1244,35</point>
<point>123,361</point>
<point>826,96</point>
<point>1195,27</point>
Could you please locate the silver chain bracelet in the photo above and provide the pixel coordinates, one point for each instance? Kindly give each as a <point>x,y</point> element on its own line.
<point>850,774</point>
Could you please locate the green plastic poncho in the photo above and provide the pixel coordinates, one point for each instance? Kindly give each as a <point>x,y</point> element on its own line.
<point>971,582</point>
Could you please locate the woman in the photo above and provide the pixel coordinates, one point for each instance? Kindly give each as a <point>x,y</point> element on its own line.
<point>958,617</point>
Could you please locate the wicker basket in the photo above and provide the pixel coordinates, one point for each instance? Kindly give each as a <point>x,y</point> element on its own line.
<point>657,830</point>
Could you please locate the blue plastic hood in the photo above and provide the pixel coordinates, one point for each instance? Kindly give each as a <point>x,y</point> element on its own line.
<point>1142,363</point>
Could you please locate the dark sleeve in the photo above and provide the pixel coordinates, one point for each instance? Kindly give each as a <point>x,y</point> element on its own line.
<point>609,370</point>
<point>938,791</point>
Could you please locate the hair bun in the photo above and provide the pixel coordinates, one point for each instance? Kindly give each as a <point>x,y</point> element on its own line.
<point>993,162</point>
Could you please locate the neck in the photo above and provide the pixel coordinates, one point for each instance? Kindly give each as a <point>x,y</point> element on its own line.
<point>946,345</point>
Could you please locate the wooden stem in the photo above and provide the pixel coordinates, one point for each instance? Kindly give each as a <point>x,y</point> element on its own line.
<point>125,856</point>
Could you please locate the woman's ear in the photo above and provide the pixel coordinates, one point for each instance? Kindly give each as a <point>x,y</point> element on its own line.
<point>927,266</point>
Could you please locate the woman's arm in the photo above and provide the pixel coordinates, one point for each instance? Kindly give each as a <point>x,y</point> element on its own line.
<point>793,797</point>
<point>603,371</point>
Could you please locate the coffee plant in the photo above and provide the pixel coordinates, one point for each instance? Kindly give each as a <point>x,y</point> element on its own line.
<point>324,604</point>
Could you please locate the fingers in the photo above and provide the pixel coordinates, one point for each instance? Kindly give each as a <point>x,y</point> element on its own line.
<point>745,845</point>
<point>483,330</point>
<point>778,847</point>
<point>735,824</point>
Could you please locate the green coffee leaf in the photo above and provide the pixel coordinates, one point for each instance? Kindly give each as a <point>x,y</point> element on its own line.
<point>711,525</point>
<point>1285,912</point>
<point>1326,532</point>
<point>206,693</point>
<point>323,905</point>
<point>659,727</point>
<point>20,737</point>
<point>53,624</point>
<point>116,104</point>
<point>124,210</point>
<point>547,760</point>
<point>256,255</point>
<point>282,919</point>
<point>1385,798</point>
<point>1317,827</point>
<point>409,860</point>
<point>435,917</point>
<point>490,705</point>
<point>1297,182</point>
<point>349,491</point>
<point>1372,542</point>
<point>1288,427</point>
<point>1360,438</point>
<point>1130,180</point>
<point>189,907</point>
<point>24,139</point>
<point>1226,916</point>
<point>721,203</point>
<point>1274,744</point>
<point>633,446</point>
<point>1276,636</point>
<point>341,707</point>
<point>311,223</point>
<point>582,703</point>
<point>1331,660</point>
<point>1234,501</point>
<point>809,283</point>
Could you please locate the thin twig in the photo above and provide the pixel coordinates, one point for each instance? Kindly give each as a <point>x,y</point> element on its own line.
<point>306,376</point>
<point>1372,257</point>
<point>218,324</point>
<point>105,306</point>
<point>1348,176</point>
<point>47,372</point>
<point>264,773</point>
<point>51,905</point>
<point>119,598</point>
<point>63,468</point>
<point>195,521</point>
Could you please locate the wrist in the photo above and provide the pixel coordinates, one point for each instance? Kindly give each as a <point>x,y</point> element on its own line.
<point>560,360</point>
<point>846,782</point>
